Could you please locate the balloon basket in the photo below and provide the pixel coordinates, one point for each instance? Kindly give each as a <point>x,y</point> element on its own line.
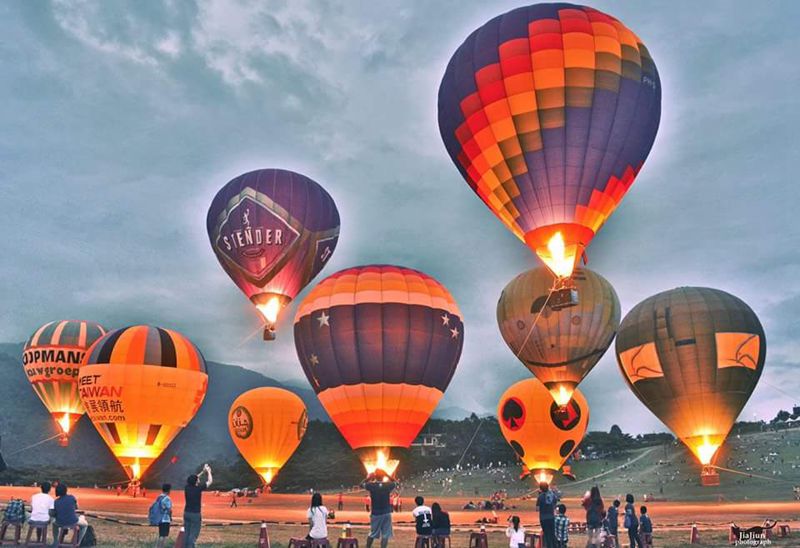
<point>709,477</point>
<point>564,296</point>
<point>63,440</point>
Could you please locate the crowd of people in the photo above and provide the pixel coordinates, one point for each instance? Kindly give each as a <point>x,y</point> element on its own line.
<point>602,525</point>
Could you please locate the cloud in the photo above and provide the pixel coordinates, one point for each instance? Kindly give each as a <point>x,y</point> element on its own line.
<point>121,125</point>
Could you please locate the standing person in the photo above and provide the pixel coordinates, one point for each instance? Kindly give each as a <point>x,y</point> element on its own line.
<point>645,528</point>
<point>41,504</point>
<point>380,518</point>
<point>593,504</point>
<point>546,505</point>
<point>440,522</point>
<point>234,496</point>
<point>317,518</point>
<point>632,522</point>
<point>340,504</point>
<point>193,493</point>
<point>562,527</point>
<point>163,507</point>
<point>423,517</point>
<point>65,508</point>
<point>613,519</point>
<point>515,533</point>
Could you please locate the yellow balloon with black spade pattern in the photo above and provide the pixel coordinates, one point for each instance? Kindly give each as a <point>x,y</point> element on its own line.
<point>51,359</point>
<point>141,386</point>
<point>266,425</point>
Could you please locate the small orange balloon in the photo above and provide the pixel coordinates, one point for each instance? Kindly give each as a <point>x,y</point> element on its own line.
<point>542,433</point>
<point>266,425</point>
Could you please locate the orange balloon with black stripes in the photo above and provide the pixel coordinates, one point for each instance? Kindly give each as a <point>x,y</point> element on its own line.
<point>141,385</point>
<point>51,358</point>
<point>266,425</point>
<point>379,345</point>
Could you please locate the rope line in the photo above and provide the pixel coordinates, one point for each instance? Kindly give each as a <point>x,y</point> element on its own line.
<point>33,445</point>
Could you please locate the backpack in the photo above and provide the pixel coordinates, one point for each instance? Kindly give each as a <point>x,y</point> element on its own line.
<point>89,538</point>
<point>156,511</point>
<point>15,511</point>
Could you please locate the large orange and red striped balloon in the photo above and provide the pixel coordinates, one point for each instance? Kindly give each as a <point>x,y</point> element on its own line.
<point>549,112</point>
<point>379,345</point>
<point>141,386</point>
<point>51,358</point>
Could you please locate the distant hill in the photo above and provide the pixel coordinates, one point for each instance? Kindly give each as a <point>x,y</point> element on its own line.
<point>24,422</point>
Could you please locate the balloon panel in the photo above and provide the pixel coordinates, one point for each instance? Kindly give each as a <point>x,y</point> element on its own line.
<point>141,386</point>
<point>379,344</point>
<point>542,433</point>
<point>693,356</point>
<point>549,111</point>
<point>559,347</point>
<point>51,359</point>
<point>272,230</point>
<point>267,425</point>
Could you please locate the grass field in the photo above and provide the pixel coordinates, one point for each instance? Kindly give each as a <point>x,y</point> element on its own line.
<point>667,472</point>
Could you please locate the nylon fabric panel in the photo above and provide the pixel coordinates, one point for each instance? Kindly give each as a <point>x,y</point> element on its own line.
<point>134,397</point>
<point>530,422</point>
<point>564,345</point>
<point>700,393</point>
<point>273,199</point>
<point>380,415</point>
<point>557,138</point>
<point>266,426</point>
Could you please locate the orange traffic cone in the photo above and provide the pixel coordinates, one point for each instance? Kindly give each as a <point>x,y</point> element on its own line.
<point>695,536</point>
<point>263,537</point>
<point>179,542</point>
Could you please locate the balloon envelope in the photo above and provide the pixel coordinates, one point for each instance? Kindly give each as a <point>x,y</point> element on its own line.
<point>693,356</point>
<point>559,347</point>
<point>379,345</point>
<point>549,111</point>
<point>266,426</point>
<point>51,358</point>
<point>542,433</point>
<point>272,230</point>
<point>141,386</point>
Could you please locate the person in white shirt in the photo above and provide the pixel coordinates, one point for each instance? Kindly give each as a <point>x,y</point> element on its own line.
<point>317,518</point>
<point>515,533</point>
<point>423,516</point>
<point>41,504</point>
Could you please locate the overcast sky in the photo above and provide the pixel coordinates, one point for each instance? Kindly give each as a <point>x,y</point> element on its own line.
<point>121,120</point>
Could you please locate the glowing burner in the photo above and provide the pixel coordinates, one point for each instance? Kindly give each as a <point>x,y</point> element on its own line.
<point>380,462</point>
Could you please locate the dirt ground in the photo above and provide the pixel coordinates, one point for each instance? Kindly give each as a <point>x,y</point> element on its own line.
<point>286,516</point>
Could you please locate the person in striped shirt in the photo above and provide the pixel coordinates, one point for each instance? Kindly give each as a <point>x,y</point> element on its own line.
<point>562,527</point>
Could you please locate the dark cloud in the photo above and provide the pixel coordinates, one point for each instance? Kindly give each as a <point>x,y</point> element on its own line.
<point>119,127</point>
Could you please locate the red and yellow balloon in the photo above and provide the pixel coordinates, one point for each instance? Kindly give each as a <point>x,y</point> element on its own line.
<point>379,345</point>
<point>549,112</point>
<point>542,433</point>
<point>266,426</point>
<point>141,386</point>
<point>51,359</point>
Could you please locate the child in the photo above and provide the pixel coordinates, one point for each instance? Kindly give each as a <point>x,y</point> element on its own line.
<point>645,528</point>
<point>562,527</point>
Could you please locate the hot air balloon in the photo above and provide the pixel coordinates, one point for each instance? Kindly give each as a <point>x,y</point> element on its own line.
<point>542,433</point>
<point>559,346</point>
<point>141,386</point>
<point>51,358</point>
<point>693,356</point>
<point>272,231</point>
<point>266,426</point>
<point>549,111</point>
<point>379,345</point>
